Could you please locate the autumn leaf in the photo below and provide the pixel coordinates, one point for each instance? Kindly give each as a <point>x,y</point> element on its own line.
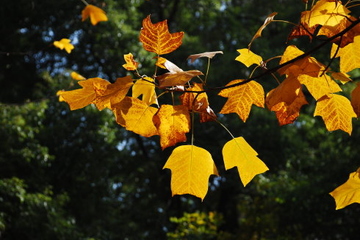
<point>248,58</point>
<point>172,122</point>
<point>96,14</point>
<point>198,102</point>
<point>191,167</point>
<point>238,153</point>
<point>175,76</point>
<point>157,38</point>
<point>76,76</point>
<point>267,21</point>
<point>319,86</point>
<point>355,99</point>
<point>342,77</point>
<point>146,88</point>
<point>131,64</point>
<point>348,60</point>
<point>349,192</point>
<point>136,116</point>
<point>209,55</point>
<point>64,44</point>
<point>326,13</point>
<point>84,96</point>
<point>336,112</point>
<point>242,97</point>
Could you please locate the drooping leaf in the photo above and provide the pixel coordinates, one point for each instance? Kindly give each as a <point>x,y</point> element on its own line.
<point>136,116</point>
<point>172,122</point>
<point>248,58</point>
<point>242,97</point>
<point>336,111</point>
<point>210,55</point>
<point>342,77</point>
<point>157,38</point>
<point>319,86</point>
<point>267,21</point>
<point>146,88</point>
<point>131,64</point>
<point>198,102</point>
<point>76,76</point>
<point>238,153</point>
<point>191,167</point>
<point>355,99</point>
<point>64,44</point>
<point>348,60</point>
<point>96,14</point>
<point>349,192</point>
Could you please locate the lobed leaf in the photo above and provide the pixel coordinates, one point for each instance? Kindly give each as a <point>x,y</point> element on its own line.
<point>348,60</point>
<point>64,44</point>
<point>131,64</point>
<point>96,14</point>
<point>248,58</point>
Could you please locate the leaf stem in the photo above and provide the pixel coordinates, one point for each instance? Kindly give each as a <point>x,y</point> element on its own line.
<point>221,124</point>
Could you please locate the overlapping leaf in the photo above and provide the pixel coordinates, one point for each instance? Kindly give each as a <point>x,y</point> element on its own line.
<point>355,100</point>
<point>238,153</point>
<point>191,167</point>
<point>348,60</point>
<point>146,88</point>
<point>319,86</point>
<point>349,192</point>
<point>336,112</point>
<point>157,38</point>
<point>172,122</point>
<point>242,97</point>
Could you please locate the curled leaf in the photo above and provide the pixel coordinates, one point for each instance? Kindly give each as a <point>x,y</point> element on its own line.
<point>267,21</point>
<point>193,57</point>
<point>131,64</point>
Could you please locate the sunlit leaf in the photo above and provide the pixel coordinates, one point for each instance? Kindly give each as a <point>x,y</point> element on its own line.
<point>146,88</point>
<point>336,111</point>
<point>248,58</point>
<point>96,14</point>
<point>319,86</point>
<point>349,192</point>
<point>238,153</point>
<point>210,55</point>
<point>76,76</point>
<point>348,60</point>
<point>131,64</point>
<point>242,97</point>
<point>172,122</point>
<point>191,167</point>
<point>355,99</point>
<point>157,38</point>
<point>64,44</point>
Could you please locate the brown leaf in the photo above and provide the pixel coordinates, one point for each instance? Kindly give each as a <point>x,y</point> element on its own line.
<point>267,21</point>
<point>193,57</point>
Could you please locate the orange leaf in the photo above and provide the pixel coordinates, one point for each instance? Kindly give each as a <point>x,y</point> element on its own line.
<point>77,76</point>
<point>342,77</point>
<point>349,192</point>
<point>191,167</point>
<point>172,122</point>
<point>146,88</point>
<point>135,115</point>
<point>84,96</point>
<point>286,100</point>
<point>64,44</point>
<point>157,38</point>
<point>319,86</point>
<point>267,21</point>
<point>348,60</point>
<point>96,14</point>
<point>238,153</point>
<point>242,97</point>
<point>336,112</point>
<point>210,55</point>
<point>131,64</point>
<point>355,99</point>
<point>248,58</point>
<point>198,102</point>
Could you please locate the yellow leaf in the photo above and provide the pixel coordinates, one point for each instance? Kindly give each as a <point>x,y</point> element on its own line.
<point>355,99</point>
<point>96,14</point>
<point>349,192</point>
<point>336,112</point>
<point>84,96</point>
<point>267,21</point>
<point>146,88</point>
<point>242,97</point>
<point>157,38</point>
<point>77,76</point>
<point>160,62</point>
<point>248,58</point>
<point>348,60</point>
<point>135,115</point>
<point>238,153</point>
<point>64,44</point>
<point>131,64</point>
<point>319,86</point>
<point>191,167</point>
<point>172,122</point>
<point>326,13</point>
